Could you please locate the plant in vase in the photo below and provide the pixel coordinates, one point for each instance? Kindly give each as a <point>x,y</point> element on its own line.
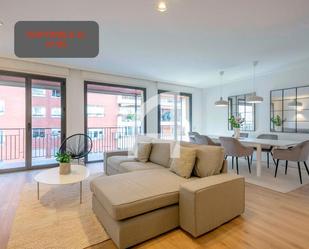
<point>236,123</point>
<point>64,160</point>
<point>277,122</point>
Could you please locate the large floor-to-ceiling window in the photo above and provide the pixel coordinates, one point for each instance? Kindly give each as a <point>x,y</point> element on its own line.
<point>174,115</point>
<point>114,116</point>
<point>32,120</point>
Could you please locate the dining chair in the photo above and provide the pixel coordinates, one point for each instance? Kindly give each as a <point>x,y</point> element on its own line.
<point>202,139</point>
<point>192,135</point>
<point>266,148</point>
<point>298,153</point>
<point>234,148</point>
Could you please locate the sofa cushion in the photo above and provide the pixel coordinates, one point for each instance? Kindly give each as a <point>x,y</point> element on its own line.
<point>134,193</point>
<point>133,166</point>
<point>113,163</point>
<point>143,152</point>
<point>160,153</point>
<point>209,160</point>
<point>184,163</point>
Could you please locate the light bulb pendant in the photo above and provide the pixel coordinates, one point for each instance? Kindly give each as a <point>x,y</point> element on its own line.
<point>162,7</point>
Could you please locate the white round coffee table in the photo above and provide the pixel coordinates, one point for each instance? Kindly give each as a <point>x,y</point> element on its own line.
<point>52,177</point>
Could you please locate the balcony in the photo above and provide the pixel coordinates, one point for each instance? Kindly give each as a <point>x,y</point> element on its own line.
<point>45,144</point>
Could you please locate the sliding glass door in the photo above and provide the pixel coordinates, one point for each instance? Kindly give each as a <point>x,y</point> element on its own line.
<point>32,120</point>
<point>114,116</point>
<point>12,122</point>
<point>174,115</point>
<point>47,120</point>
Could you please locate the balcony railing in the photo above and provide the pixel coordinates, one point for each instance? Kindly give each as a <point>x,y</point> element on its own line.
<point>45,143</point>
<point>111,138</point>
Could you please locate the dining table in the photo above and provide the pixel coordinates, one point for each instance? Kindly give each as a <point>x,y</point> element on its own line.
<point>258,144</point>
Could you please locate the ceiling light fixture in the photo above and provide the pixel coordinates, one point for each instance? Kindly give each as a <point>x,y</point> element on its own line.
<point>254,99</point>
<point>162,6</point>
<point>1,23</point>
<point>221,102</point>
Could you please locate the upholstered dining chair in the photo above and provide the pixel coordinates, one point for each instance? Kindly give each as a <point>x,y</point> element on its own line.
<point>298,153</point>
<point>234,148</point>
<point>202,139</point>
<point>266,148</point>
<point>192,135</point>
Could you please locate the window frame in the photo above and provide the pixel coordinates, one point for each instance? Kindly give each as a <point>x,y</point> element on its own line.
<point>29,77</point>
<point>144,99</point>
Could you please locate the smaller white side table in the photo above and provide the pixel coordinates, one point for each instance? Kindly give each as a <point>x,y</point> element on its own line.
<point>52,177</point>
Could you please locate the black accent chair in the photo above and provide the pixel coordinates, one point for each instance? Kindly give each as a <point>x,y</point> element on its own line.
<point>77,145</point>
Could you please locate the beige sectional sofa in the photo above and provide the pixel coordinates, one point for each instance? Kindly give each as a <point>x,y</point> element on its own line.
<point>138,201</point>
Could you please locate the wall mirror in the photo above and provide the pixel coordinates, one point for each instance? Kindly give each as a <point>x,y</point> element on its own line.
<point>239,107</point>
<point>289,110</point>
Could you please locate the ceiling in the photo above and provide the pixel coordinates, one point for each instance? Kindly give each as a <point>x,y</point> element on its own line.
<point>189,44</point>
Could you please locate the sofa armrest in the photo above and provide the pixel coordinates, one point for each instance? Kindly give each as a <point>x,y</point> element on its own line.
<point>113,153</point>
<point>209,202</point>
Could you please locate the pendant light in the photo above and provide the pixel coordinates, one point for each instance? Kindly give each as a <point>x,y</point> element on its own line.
<point>221,102</point>
<point>254,99</point>
<point>162,6</point>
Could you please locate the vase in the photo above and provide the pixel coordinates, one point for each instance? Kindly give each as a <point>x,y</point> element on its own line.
<point>278,128</point>
<point>237,133</point>
<point>64,168</point>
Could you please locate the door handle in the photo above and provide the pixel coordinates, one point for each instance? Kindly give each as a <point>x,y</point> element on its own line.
<point>29,126</point>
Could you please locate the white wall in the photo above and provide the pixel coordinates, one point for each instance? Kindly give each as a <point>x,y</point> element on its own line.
<point>75,91</point>
<point>215,118</point>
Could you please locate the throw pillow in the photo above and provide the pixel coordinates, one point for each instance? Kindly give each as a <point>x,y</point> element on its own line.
<point>209,160</point>
<point>183,165</point>
<point>143,152</point>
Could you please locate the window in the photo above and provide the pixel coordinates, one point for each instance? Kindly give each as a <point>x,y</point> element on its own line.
<point>56,93</point>
<point>96,133</point>
<point>128,131</point>
<point>95,111</point>
<point>175,115</point>
<point>2,107</point>
<point>38,92</point>
<point>38,132</point>
<point>55,132</point>
<point>166,115</point>
<point>1,137</point>
<point>239,107</point>
<point>38,111</point>
<point>56,112</point>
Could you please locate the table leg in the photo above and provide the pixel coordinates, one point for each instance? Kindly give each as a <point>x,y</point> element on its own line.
<point>258,159</point>
<point>38,190</point>
<point>81,192</point>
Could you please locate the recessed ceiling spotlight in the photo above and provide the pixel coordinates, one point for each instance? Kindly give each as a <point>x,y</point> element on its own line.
<point>162,6</point>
